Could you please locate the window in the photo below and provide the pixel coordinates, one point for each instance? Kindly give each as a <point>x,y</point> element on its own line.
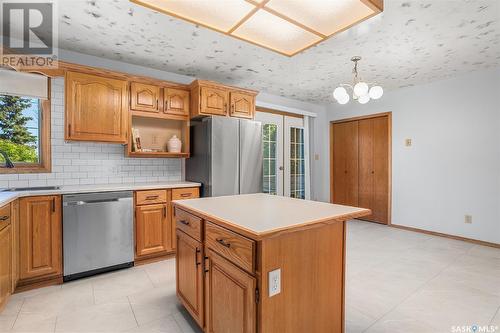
<point>297,163</point>
<point>270,172</point>
<point>24,134</point>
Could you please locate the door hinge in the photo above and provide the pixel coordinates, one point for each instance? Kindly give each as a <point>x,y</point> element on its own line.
<point>257,295</point>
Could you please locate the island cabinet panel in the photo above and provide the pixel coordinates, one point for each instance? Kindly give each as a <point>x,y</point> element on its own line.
<point>151,230</point>
<point>5,264</point>
<point>40,237</point>
<point>230,297</point>
<point>96,108</point>
<point>242,105</point>
<point>144,97</point>
<point>312,271</point>
<point>190,275</point>
<point>176,102</point>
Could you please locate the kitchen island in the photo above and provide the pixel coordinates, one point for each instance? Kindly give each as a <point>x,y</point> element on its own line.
<point>262,263</point>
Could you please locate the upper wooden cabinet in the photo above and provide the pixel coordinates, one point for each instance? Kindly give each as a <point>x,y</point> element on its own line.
<point>213,99</point>
<point>40,237</point>
<point>144,97</point>
<point>176,102</point>
<point>96,108</point>
<point>242,105</point>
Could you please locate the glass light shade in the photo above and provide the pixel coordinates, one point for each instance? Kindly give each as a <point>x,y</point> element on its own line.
<point>364,99</point>
<point>339,92</point>
<point>376,92</point>
<point>361,89</point>
<point>344,99</point>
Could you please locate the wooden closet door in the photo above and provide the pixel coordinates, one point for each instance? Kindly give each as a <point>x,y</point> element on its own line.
<point>345,163</point>
<point>374,167</point>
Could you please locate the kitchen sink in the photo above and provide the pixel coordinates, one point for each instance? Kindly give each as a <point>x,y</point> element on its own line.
<point>38,188</point>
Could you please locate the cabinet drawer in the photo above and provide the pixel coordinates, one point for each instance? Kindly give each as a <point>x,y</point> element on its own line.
<point>151,197</point>
<point>4,216</point>
<point>185,193</point>
<point>234,247</point>
<point>188,223</point>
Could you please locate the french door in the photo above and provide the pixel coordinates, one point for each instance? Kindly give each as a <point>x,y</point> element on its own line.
<point>285,155</point>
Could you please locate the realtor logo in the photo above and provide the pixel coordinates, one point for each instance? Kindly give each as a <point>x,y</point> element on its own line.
<point>29,33</point>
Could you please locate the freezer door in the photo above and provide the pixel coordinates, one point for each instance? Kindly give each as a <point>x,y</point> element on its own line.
<point>224,156</point>
<point>250,157</point>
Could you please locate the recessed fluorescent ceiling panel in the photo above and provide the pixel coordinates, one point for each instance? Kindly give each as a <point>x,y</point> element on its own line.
<point>284,26</point>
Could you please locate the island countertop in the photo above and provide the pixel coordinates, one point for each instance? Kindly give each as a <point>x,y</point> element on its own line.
<point>260,215</point>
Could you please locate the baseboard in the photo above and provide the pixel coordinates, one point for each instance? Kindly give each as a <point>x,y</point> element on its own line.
<point>440,234</point>
<point>30,284</point>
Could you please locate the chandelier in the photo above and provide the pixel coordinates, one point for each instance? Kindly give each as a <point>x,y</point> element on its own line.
<point>360,89</point>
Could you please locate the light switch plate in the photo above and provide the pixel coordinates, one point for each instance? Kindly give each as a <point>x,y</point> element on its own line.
<point>408,142</point>
<point>274,282</point>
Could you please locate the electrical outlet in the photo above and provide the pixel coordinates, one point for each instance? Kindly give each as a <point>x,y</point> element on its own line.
<point>274,282</point>
<point>408,142</point>
<point>468,219</point>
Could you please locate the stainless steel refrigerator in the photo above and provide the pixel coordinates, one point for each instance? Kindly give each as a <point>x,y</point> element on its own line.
<point>226,156</point>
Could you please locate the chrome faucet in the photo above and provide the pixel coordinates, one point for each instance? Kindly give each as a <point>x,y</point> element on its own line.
<point>8,162</point>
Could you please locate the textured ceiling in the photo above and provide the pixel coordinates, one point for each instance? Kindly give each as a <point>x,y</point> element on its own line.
<point>412,42</point>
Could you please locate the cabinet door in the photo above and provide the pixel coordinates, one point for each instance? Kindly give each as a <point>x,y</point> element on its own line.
<point>5,264</point>
<point>213,101</point>
<point>230,296</point>
<point>176,102</point>
<point>15,242</point>
<point>96,108</point>
<point>40,236</point>
<point>373,167</point>
<point>345,163</point>
<point>189,257</point>
<point>242,105</point>
<point>144,97</point>
<point>151,230</point>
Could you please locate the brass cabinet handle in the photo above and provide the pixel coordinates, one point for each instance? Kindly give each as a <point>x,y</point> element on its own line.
<point>225,107</point>
<point>232,108</point>
<point>164,211</point>
<point>184,222</point>
<point>185,195</point>
<point>151,197</point>
<point>3,218</point>
<point>54,205</point>
<point>223,242</point>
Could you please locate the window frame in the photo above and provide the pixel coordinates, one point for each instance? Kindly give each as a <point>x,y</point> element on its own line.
<point>45,163</point>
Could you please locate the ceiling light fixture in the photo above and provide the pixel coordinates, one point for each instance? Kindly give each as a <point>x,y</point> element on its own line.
<point>360,90</point>
<point>284,26</point>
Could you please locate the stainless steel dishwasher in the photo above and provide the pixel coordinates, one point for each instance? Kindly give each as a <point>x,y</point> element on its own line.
<point>98,233</point>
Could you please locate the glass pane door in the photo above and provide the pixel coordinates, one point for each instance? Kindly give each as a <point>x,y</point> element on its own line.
<point>297,163</point>
<point>272,142</point>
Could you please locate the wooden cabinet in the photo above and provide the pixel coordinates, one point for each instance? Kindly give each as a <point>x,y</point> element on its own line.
<point>40,237</point>
<point>151,228</point>
<point>189,272</point>
<point>213,99</point>
<point>15,242</point>
<point>96,108</point>
<point>230,297</point>
<point>144,97</point>
<point>176,102</point>
<point>242,105</point>
<point>361,165</point>
<point>5,264</point>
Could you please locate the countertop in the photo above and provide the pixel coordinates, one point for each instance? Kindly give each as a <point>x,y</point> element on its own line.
<point>6,197</point>
<point>260,215</point>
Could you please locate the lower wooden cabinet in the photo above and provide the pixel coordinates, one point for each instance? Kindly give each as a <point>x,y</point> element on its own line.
<point>40,238</point>
<point>230,297</point>
<point>5,264</point>
<point>190,275</point>
<point>152,230</point>
<point>15,243</point>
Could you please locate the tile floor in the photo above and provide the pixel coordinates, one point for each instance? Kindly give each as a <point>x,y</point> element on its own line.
<point>397,281</point>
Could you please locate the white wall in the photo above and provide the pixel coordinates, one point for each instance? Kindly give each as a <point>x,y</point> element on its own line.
<point>453,166</point>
